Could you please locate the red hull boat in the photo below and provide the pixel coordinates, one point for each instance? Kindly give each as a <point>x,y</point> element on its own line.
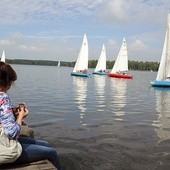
<point>125,76</point>
<point>120,68</point>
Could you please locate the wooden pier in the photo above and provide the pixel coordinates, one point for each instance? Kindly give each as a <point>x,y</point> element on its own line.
<point>39,165</point>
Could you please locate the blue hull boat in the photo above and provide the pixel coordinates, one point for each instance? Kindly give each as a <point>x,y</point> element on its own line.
<point>163,75</point>
<point>99,73</point>
<point>80,74</point>
<point>160,83</point>
<point>81,65</point>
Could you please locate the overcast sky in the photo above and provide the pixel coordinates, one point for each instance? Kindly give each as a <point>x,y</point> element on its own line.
<point>53,29</point>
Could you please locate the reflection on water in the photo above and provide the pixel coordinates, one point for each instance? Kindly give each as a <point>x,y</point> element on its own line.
<point>100,82</point>
<point>118,100</point>
<point>80,89</point>
<point>163,108</point>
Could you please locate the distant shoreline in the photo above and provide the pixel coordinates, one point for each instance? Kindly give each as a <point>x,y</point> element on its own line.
<point>133,65</point>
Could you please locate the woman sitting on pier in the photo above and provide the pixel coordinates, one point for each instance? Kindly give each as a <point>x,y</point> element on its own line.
<point>32,150</point>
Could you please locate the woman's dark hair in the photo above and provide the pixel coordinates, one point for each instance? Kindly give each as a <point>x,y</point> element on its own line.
<point>7,74</point>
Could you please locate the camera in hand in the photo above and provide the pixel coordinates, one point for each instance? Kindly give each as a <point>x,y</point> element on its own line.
<point>21,105</point>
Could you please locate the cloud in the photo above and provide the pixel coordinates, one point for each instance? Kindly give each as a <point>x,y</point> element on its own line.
<point>140,50</point>
<point>115,11</point>
<point>112,43</point>
<point>136,13</point>
<point>31,48</point>
<point>6,42</point>
<point>55,28</point>
<point>23,12</point>
<point>138,46</point>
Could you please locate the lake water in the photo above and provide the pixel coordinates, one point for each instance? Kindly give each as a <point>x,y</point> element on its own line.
<point>97,123</point>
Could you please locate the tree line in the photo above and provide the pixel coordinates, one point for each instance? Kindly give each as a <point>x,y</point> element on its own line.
<point>132,65</point>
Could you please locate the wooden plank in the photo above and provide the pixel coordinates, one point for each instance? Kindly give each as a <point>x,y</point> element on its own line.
<point>39,165</point>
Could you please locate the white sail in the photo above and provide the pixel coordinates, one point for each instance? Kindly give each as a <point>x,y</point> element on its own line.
<point>164,67</point>
<point>58,63</point>
<point>121,63</point>
<point>168,49</point>
<point>161,70</point>
<point>82,60</point>
<point>101,65</point>
<point>3,56</point>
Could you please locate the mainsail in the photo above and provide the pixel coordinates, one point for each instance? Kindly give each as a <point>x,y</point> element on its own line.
<point>82,60</point>
<point>121,63</point>
<point>101,65</point>
<point>164,67</point>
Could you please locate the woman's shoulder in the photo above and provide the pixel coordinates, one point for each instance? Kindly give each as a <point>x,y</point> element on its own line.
<point>3,95</point>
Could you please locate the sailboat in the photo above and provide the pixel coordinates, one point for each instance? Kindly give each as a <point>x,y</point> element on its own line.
<point>81,66</point>
<point>3,56</point>
<point>101,64</point>
<point>58,64</point>
<point>163,75</point>
<point>120,67</point>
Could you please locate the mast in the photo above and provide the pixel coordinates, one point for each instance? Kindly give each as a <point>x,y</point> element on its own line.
<point>167,74</point>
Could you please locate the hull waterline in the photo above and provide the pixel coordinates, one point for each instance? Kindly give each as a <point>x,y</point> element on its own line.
<point>125,76</point>
<point>80,74</point>
<point>99,73</point>
<point>160,83</point>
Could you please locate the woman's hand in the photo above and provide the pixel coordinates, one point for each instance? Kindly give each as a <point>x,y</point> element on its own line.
<point>17,108</point>
<point>22,112</point>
